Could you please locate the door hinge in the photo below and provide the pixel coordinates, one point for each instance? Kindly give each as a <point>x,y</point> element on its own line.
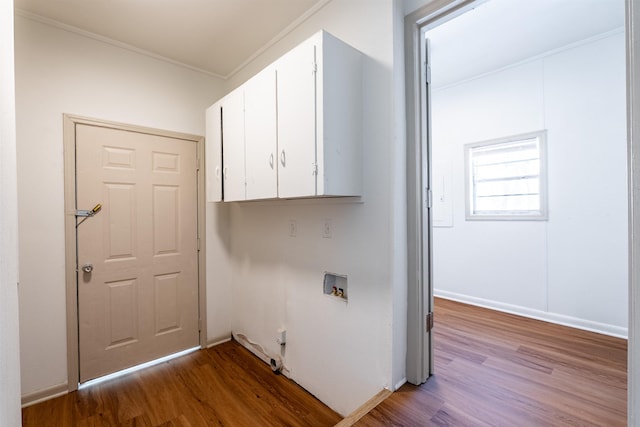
<point>429,321</point>
<point>198,164</point>
<point>427,74</point>
<point>314,169</point>
<point>314,67</point>
<point>429,197</point>
<point>198,243</point>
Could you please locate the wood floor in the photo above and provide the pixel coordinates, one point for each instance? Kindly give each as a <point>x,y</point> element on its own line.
<point>496,369</point>
<point>491,369</point>
<point>222,386</point>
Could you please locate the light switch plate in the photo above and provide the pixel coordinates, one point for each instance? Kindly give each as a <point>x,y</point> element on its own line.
<point>327,228</point>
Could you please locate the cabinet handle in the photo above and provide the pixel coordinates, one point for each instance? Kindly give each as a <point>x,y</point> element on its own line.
<point>282,158</point>
<point>218,172</point>
<point>271,160</point>
<point>224,172</point>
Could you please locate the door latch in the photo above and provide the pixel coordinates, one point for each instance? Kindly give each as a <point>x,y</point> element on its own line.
<point>92,212</point>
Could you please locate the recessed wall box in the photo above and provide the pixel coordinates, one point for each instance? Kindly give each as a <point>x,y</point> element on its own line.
<point>335,285</point>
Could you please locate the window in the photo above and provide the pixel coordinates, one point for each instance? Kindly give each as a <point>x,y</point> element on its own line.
<point>506,178</point>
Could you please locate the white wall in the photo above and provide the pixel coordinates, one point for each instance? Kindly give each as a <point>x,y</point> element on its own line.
<point>9,354</point>
<point>573,268</point>
<point>218,274</point>
<point>398,152</point>
<point>61,72</point>
<point>341,352</point>
<point>410,6</point>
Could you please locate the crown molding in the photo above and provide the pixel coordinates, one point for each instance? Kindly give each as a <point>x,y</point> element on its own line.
<point>107,40</point>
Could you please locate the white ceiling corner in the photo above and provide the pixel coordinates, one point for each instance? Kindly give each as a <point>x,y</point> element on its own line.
<point>217,37</point>
<point>499,33</point>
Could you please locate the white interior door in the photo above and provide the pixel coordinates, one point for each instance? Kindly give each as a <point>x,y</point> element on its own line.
<point>137,257</point>
<point>297,122</point>
<point>420,290</point>
<point>427,217</point>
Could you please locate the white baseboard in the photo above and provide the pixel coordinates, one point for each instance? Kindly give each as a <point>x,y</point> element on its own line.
<point>364,409</point>
<point>560,319</point>
<point>218,342</point>
<point>399,384</point>
<point>44,394</point>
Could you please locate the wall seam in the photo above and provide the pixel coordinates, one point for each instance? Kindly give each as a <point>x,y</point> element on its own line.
<point>547,191</point>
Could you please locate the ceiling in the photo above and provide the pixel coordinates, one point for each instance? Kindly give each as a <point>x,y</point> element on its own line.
<point>220,36</point>
<point>216,36</point>
<point>498,33</point>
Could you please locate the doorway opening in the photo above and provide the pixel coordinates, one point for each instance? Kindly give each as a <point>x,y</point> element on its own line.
<point>440,184</point>
<point>486,90</point>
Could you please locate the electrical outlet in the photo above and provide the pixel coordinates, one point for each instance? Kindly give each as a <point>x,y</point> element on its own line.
<point>327,229</point>
<point>281,338</point>
<point>293,228</point>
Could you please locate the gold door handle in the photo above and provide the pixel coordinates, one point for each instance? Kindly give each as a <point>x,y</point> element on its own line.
<point>82,213</point>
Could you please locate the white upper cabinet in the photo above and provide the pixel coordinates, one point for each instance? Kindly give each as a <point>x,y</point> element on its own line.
<point>233,131</point>
<point>320,119</point>
<point>294,129</point>
<point>213,153</point>
<point>338,118</point>
<point>260,135</point>
<point>297,121</point>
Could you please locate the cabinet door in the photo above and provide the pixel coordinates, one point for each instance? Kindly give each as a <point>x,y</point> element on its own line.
<point>213,153</point>
<point>260,135</point>
<point>297,122</point>
<point>233,146</point>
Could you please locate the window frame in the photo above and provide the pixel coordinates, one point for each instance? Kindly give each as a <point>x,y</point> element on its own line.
<point>543,213</point>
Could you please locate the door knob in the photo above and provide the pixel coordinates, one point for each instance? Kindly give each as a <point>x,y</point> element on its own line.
<point>87,268</point>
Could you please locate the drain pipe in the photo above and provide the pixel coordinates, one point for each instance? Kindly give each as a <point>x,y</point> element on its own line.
<point>274,361</point>
<point>276,365</point>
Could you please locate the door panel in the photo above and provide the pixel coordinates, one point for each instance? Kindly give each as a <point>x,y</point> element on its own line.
<point>166,211</point>
<point>297,122</point>
<point>233,146</point>
<point>166,290</point>
<point>121,199</point>
<point>121,303</point>
<point>260,135</point>
<point>140,302</point>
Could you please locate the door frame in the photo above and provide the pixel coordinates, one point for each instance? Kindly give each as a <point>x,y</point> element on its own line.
<point>441,10</point>
<point>71,277</point>
<point>632,37</point>
<point>420,362</point>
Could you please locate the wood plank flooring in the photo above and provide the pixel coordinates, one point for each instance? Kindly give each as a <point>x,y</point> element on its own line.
<point>496,369</point>
<point>222,386</point>
<point>491,369</point>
